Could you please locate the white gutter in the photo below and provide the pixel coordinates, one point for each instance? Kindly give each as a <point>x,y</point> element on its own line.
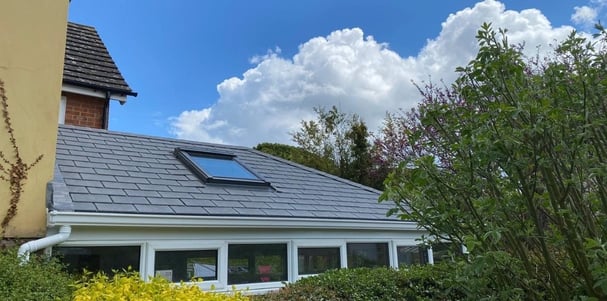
<point>45,242</point>
<point>60,218</point>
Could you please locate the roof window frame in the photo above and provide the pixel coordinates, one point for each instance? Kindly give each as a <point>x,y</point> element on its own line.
<point>185,156</point>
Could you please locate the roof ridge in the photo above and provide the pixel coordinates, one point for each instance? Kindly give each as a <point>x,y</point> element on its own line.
<point>159,138</point>
<point>319,172</point>
<point>81,25</point>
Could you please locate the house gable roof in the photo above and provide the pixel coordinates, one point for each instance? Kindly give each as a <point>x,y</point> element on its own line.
<point>111,172</point>
<point>88,63</point>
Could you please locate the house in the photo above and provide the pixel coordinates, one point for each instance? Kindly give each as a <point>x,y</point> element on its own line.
<point>90,79</point>
<point>229,214</point>
<point>180,209</point>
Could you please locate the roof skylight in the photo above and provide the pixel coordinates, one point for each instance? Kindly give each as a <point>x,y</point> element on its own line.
<point>219,167</point>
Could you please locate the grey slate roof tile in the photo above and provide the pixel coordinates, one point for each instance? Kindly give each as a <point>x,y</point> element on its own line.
<point>92,198</point>
<point>132,180</point>
<point>165,201</point>
<point>249,211</point>
<point>221,211</point>
<point>117,208</point>
<point>153,187</point>
<point>112,172</point>
<point>107,191</point>
<point>276,212</point>
<point>96,177</point>
<point>138,192</point>
<point>129,200</point>
<point>122,167</point>
<point>149,179</point>
<point>90,164</point>
<point>171,194</point>
<point>86,207</point>
<point>231,204</point>
<point>154,209</point>
<point>120,185</point>
<point>190,210</point>
<point>177,188</point>
<point>198,203</point>
<point>85,183</point>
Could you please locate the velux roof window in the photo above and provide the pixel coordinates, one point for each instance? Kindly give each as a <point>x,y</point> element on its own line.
<point>218,167</point>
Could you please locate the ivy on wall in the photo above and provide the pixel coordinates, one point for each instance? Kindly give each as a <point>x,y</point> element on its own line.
<point>13,171</point>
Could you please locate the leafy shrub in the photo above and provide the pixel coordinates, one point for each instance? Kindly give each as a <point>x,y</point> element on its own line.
<point>40,279</point>
<point>416,283</point>
<point>129,286</point>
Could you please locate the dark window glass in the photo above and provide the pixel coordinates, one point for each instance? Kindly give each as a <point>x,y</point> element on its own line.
<point>222,168</point>
<point>257,263</point>
<point>367,255</point>
<point>96,259</point>
<point>317,260</point>
<point>410,255</point>
<point>177,266</point>
<point>445,251</point>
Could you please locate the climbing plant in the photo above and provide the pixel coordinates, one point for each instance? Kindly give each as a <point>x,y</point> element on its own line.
<point>13,169</point>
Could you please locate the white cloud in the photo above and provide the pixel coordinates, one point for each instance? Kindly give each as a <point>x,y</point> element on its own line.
<point>584,15</point>
<point>352,71</point>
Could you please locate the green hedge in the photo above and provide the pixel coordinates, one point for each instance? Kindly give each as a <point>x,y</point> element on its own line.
<point>40,279</point>
<point>364,284</point>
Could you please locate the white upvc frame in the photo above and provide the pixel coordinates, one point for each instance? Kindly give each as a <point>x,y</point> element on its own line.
<point>164,234</point>
<point>407,243</point>
<point>143,269</point>
<point>181,245</point>
<point>260,287</point>
<point>62,108</point>
<point>93,219</point>
<point>91,92</point>
<point>316,243</point>
<point>391,249</point>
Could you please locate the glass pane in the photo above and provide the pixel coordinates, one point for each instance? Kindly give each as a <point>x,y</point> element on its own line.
<point>257,263</point>
<point>368,255</point>
<point>445,251</point>
<point>177,266</point>
<point>95,259</point>
<point>317,260</point>
<point>409,255</point>
<point>223,168</point>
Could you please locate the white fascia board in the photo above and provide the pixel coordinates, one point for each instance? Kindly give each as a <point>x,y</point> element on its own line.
<point>91,92</point>
<point>58,218</point>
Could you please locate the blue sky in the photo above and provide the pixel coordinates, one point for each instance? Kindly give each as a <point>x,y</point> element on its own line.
<point>245,72</point>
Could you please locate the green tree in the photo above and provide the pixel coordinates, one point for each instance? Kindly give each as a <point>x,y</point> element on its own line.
<point>340,138</point>
<point>298,155</point>
<point>511,161</point>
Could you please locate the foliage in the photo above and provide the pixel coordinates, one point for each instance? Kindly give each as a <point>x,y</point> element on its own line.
<point>415,283</point>
<point>298,155</point>
<point>15,173</point>
<point>128,285</point>
<point>511,162</point>
<point>339,138</point>
<point>391,145</point>
<point>40,279</point>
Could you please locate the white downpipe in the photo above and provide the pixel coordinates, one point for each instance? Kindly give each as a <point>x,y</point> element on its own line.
<point>32,246</point>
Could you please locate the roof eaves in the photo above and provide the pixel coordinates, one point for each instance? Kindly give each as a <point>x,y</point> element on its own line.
<point>100,87</point>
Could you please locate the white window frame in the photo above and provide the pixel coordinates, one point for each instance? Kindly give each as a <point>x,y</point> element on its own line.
<point>407,243</point>
<point>317,243</point>
<point>261,286</point>
<point>390,243</point>
<point>192,245</point>
<point>62,108</point>
<point>112,243</point>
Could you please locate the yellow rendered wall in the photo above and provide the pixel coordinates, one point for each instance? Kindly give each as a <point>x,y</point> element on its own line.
<point>32,45</point>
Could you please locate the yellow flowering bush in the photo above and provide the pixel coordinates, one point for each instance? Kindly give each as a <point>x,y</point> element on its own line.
<point>128,286</point>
